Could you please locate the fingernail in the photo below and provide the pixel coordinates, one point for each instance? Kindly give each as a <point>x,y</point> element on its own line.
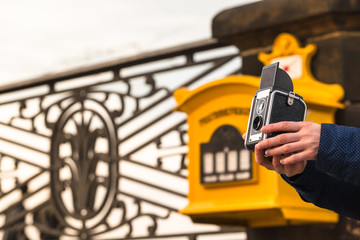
<point>266,153</point>
<point>282,161</point>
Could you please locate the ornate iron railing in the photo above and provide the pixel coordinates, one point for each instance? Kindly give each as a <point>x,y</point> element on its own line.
<point>98,153</point>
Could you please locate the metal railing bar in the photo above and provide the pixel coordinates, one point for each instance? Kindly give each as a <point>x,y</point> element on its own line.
<point>24,130</point>
<point>227,57</point>
<point>181,66</point>
<point>10,191</point>
<point>146,126</point>
<point>148,201</point>
<point>154,168</point>
<point>23,160</point>
<point>32,193</point>
<point>24,146</point>
<point>151,140</point>
<point>113,65</point>
<point>154,186</point>
<point>187,234</point>
<point>203,74</point>
<point>101,83</point>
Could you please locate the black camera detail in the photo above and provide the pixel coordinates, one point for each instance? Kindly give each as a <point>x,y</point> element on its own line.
<point>258,122</point>
<point>275,101</point>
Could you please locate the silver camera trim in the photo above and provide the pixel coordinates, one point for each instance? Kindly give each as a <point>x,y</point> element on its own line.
<point>289,95</point>
<point>260,95</point>
<point>263,95</point>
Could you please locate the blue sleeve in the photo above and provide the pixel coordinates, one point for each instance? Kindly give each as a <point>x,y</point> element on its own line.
<point>328,192</point>
<point>339,152</point>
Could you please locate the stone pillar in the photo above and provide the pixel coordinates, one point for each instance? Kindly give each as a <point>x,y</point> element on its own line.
<point>334,26</point>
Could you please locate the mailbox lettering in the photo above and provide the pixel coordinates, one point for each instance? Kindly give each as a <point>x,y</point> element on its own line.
<point>224,112</point>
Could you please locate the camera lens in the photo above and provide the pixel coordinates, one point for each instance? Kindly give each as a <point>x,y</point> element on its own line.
<point>260,106</point>
<point>257,124</point>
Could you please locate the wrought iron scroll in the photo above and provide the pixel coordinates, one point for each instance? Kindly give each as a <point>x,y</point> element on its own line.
<point>98,153</point>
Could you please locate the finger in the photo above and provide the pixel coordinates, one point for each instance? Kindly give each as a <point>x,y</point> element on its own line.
<point>294,169</point>
<point>262,160</point>
<point>296,157</point>
<point>285,149</point>
<point>282,127</point>
<point>244,136</point>
<point>291,169</point>
<point>279,140</point>
<point>278,167</point>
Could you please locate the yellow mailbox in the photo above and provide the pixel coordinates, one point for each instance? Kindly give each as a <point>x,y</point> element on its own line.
<point>225,183</point>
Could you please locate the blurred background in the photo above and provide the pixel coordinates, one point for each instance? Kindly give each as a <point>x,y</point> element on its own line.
<point>39,36</point>
<point>90,144</point>
<point>68,117</point>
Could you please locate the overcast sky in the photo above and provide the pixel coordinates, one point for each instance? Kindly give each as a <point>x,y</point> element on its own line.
<point>46,36</point>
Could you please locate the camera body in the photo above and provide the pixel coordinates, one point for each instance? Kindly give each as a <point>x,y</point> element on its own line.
<point>274,102</point>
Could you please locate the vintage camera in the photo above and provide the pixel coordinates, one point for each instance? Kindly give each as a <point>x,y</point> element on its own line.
<point>274,102</point>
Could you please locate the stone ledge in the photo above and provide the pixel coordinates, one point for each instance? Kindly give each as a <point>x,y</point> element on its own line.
<point>304,18</point>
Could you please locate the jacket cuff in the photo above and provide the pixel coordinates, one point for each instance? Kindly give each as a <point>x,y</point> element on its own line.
<point>303,178</point>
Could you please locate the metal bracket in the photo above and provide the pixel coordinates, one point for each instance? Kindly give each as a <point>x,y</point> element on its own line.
<point>291,97</point>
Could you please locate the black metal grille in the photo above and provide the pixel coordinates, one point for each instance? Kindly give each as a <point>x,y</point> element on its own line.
<point>98,153</point>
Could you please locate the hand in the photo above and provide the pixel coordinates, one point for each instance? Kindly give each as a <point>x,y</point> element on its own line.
<point>274,164</point>
<point>298,144</point>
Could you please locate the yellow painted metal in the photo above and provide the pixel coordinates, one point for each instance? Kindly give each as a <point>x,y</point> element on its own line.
<point>265,199</point>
